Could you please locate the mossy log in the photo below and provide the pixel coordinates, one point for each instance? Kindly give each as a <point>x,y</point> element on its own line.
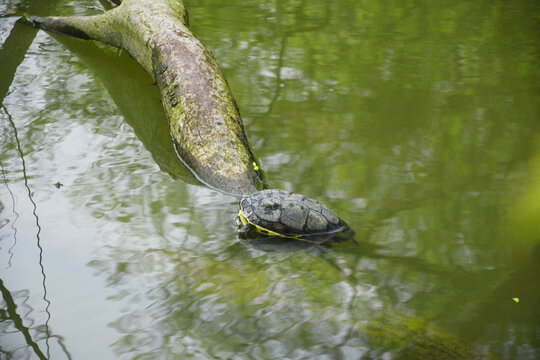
<point>203,116</point>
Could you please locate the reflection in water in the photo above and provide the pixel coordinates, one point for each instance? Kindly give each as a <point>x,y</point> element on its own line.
<point>216,306</point>
<point>275,243</point>
<point>19,40</point>
<point>138,100</point>
<point>13,209</point>
<point>12,315</point>
<point>38,238</point>
<point>283,32</point>
<point>414,123</point>
<point>11,55</point>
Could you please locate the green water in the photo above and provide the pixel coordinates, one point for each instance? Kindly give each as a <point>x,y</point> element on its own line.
<point>417,122</point>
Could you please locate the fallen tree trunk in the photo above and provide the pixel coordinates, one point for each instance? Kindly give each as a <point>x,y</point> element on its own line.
<point>203,116</point>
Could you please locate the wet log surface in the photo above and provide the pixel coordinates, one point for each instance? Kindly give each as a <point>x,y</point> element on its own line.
<point>204,119</point>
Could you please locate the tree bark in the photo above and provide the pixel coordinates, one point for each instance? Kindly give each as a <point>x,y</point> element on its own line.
<point>204,119</point>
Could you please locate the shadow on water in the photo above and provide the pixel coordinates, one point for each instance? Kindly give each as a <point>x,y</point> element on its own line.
<point>20,38</point>
<point>137,98</point>
<point>280,244</point>
<point>12,54</point>
<point>345,242</point>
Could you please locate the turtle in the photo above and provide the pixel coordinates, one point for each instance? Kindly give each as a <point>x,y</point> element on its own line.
<point>285,214</point>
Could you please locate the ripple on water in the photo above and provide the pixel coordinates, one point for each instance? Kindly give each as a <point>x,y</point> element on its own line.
<point>424,155</point>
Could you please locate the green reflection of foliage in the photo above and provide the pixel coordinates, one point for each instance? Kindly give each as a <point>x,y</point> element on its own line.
<point>225,306</point>
<point>416,339</point>
<point>524,215</point>
<point>411,106</point>
<point>413,120</point>
<point>417,112</point>
<point>137,98</point>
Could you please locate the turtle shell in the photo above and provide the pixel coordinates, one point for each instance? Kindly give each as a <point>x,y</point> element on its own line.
<point>284,213</point>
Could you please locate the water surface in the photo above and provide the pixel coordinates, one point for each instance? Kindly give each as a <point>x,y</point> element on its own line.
<point>418,123</point>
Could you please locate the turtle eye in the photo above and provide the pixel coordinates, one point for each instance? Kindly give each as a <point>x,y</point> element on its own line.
<point>273,206</point>
<point>270,207</point>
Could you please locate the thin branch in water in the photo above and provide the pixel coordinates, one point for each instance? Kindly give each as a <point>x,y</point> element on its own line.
<point>12,225</point>
<point>278,74</point>
<point>11,309</point>
<point>63,346</point>
<point>34,211</point>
